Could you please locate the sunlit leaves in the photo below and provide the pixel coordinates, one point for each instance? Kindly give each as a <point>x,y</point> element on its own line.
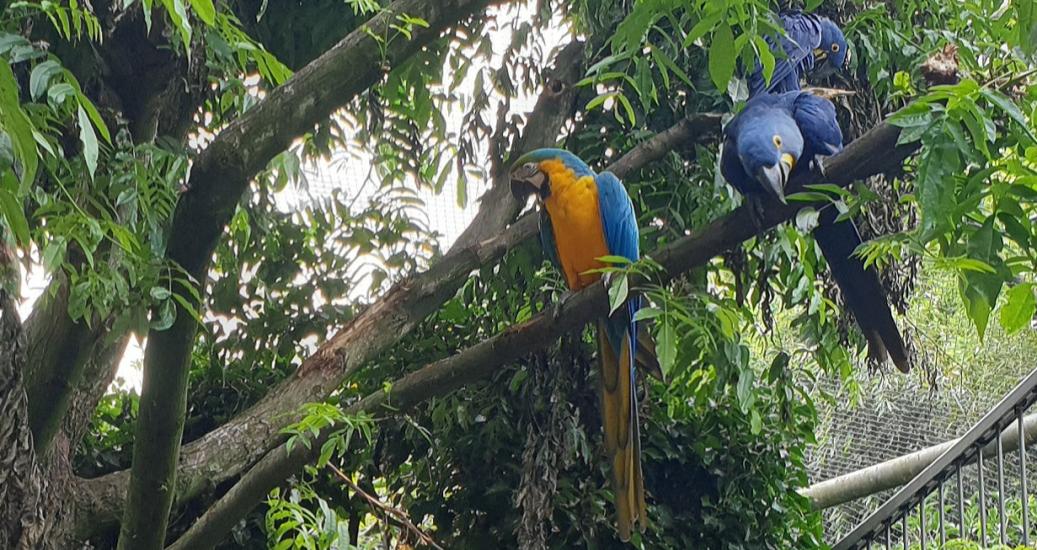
<point>980,287</point>
<point>89,139</point>
<point>722,56</point>
<point>19,129</point>
<point>70,21</point>
<point>39,80</point>
<point>1019,308</point>
<point>937,172</point>
<point>618,291</point>
<point>205,10</point>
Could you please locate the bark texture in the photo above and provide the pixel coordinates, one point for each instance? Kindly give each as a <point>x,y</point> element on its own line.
<point>218,179</point>
<point>855,162</point>
<point>22,486</point>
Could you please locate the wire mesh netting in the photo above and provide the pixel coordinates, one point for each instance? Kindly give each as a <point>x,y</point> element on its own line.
<point>897,415</point>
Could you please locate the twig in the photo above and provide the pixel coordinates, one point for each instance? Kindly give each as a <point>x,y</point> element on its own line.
<point>387,509</point>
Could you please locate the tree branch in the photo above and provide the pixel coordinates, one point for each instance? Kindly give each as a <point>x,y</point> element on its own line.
<point>232,448</point>
<point>22,485</point>
<point>387,509</point>
<point>899,471</point>
<point>875,152</point>
<point>219,176</point>
<point>497,206</point>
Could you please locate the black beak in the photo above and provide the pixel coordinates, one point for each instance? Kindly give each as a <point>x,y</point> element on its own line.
<point>775,177</point>
<point>528,181</point>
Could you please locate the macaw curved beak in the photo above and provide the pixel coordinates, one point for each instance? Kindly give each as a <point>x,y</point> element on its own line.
<point>528,179</point>
<point>775,177</point>
<point>824,64</point>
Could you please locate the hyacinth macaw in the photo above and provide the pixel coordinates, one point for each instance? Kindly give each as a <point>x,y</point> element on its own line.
<point>812,44</point>
<point>584,216</point>
<point>778,136</point>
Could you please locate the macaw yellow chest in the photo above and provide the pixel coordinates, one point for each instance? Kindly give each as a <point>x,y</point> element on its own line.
<point>575,216</point>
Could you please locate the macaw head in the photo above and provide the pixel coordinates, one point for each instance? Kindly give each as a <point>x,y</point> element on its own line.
<point>528,176</point>
<point>832,54</point>
<point>769,144</point>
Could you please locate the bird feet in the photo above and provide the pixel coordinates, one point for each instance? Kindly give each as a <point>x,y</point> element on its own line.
<point>819,162</point>
<point>556,311</point>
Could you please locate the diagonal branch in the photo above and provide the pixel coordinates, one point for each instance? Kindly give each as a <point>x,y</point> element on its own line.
<point>228,450</point>
<point>219,176</point>
<point>554,107</point>
<point>372,331</point>
<point>875,152</point>
<point>387,509</point>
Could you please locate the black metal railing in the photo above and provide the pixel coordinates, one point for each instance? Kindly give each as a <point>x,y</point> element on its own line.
<point>902,520</point>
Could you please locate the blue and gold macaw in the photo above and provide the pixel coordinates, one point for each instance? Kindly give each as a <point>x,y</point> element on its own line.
<point>812,44</point>
<point>585,216</point>
<point>778,136</point>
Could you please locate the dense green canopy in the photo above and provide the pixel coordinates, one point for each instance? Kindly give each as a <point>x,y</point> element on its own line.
<point>336,374</point>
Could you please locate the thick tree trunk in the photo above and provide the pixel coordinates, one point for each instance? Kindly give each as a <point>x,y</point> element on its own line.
<point>855,162</point>
<point>227,451</point>
<point>218,179</point>
<point>23,524</point>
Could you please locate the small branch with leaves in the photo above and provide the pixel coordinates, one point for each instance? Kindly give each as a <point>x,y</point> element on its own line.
<point>386,509</point>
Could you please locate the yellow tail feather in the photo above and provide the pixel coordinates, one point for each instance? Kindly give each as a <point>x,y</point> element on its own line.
<point>622,434</point>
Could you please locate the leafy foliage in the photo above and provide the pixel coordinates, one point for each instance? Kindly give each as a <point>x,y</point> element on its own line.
<point>89,185</point>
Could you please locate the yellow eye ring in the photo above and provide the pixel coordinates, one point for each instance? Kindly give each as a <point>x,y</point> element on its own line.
<point>835,48</point>
<point>777,141</point>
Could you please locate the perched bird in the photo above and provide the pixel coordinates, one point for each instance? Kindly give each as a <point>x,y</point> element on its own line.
<point>585,216</point>
<point>812,44</point>
<point>778,136</point>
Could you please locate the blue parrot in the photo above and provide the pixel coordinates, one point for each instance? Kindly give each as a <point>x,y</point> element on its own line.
<point>585,216</point>
<point>812,44</point>
<point>778,136</point>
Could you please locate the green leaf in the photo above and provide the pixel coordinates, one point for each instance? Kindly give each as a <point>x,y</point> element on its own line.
<point>622,99</point>
<point>1010,109</point>
<point>744,389</point>
<point>722,57</point>
<point>765,56</point>
<point>178,14</point>
<point>14,120</point>
<point>599,100</point>
<point>618,290</point>
<point>704,25</point>
<point>163,317</point>
<point>776,372</point>
<point>615,260</point>
<point>54,254</point>
<point>646,313</point>
<point>89,139</point>
<point>915,114</point>
<point>11,208</point>
<point>95,116</point>
<point>205,10</point>
<point>666,346</point>
<point>39,80</point>
<point>935,183</point>
<point>980,289</point>
<point>160,293</point>
<point>1026,21</point>
<point>1019,308</point>
<point>58,93</point>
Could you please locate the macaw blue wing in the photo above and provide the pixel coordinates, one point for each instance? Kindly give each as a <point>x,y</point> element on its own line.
<point>621,237</point>
<point>547,240</point>
<point>819,125</point>
<point>617,217</point>
<point>802,35</point>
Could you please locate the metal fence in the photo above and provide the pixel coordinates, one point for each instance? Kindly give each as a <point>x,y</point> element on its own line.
<point>969,492</point>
